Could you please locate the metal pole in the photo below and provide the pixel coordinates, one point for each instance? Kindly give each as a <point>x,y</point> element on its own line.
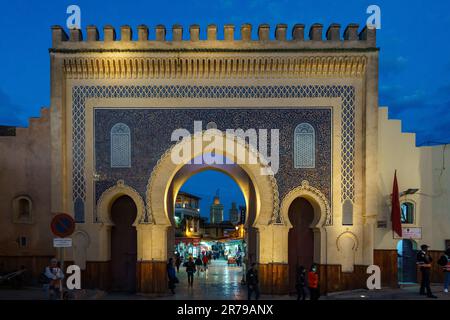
<point>62,270</point>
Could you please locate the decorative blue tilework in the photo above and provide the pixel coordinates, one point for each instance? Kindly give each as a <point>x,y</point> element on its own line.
<point>346,93</point>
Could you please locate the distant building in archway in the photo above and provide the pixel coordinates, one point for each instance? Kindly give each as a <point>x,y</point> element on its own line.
<point>234,214</point>
<point>216,211</point>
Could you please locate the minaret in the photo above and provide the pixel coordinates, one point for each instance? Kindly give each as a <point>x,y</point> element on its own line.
<point>216,211</point>
<point>234,214</point>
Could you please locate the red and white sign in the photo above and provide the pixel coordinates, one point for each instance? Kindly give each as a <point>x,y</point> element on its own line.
<point>62,242</point>
<point>410,233</point>
<point>62,225</point>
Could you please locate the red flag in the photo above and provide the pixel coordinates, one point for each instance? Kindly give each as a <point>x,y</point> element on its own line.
<point>395,213</point>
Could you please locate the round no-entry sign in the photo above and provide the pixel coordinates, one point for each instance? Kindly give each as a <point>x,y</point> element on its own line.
<point>62,225</point>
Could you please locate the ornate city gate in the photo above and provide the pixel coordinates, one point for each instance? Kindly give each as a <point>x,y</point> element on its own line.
<point>115,104</point>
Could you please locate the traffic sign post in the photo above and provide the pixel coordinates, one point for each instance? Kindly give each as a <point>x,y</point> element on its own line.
<point>62,226</point>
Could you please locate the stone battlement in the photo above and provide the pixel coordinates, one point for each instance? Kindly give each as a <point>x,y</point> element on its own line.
<point>316,39</point>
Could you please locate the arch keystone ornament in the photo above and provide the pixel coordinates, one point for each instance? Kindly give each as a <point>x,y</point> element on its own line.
<point>110,195</point>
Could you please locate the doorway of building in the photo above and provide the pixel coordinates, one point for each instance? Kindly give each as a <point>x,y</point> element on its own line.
<point>406,261</point>
<point>123,245</point>
<point>301,238</point>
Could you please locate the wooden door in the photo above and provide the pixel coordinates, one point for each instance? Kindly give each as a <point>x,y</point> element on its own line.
<point>301,238</point>
<point>123,245</point>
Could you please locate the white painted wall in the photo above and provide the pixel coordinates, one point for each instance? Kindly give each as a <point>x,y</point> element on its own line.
<point>426,168</point>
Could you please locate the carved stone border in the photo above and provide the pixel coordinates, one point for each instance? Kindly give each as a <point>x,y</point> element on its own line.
<point>214,67</point>
<point>306,190</point>
<point>275,217</point>
<point>114,192</point>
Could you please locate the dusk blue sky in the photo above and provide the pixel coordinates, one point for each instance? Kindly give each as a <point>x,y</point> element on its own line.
<point>205,185</point>
<point>414,40</point>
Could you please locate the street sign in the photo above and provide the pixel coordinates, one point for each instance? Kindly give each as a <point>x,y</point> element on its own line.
<point>62,225</point>
<point>62,242</point>
<point>410,233</point>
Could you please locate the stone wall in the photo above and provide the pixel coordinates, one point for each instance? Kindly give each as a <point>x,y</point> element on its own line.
<point>25,171</point>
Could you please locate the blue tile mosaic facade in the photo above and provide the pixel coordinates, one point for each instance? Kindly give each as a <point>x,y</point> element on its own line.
<point>141,124</point>
<point>151,131</point>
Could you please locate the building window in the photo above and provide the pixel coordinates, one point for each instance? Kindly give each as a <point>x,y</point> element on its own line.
<point>120,146</point>
<point>407,212</point>
<point>304,146</point>
<point>22,207</point>
<point>347,213</point>
<point>22,241</point>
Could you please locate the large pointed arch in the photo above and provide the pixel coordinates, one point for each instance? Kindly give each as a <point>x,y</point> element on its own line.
<point>163,173</point>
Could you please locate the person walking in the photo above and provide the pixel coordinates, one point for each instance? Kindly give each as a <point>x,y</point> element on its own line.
<point>190,270</point>
<point>238,258</point>
<point>171,275</point>
<point>205,264</point>
<point>198,265</point>
<point>300,283</point>
<point>444,262</point>
<point>424,262</point>
<point>252,282</point>
<point>55,276</point>
<point>313,283</point>
<point>178,262</point>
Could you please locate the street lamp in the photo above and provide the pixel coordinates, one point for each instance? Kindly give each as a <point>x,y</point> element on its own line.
<point>409,191</point>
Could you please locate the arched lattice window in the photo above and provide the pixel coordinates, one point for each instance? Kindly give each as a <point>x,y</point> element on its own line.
<point>304,146</point>
<point>120,146</point>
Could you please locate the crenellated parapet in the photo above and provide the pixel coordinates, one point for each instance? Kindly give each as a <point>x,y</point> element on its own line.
<point>290,53</point>
<point>284,38</point>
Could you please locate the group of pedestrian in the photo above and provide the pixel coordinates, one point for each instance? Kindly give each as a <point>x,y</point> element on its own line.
<point>308,280</point>
<point>304,279</point>
<point>424,262</point>
<point>200,264</point>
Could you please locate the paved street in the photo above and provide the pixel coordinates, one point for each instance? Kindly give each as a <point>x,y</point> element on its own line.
<point>223,282</point>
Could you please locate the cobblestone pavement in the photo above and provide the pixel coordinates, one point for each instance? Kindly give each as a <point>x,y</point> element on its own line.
<point>223,282</point>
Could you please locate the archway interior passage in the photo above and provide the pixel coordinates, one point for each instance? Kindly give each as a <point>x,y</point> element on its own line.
<point>301,238</point>
<point>202,197</point>
<point>123,245</point>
